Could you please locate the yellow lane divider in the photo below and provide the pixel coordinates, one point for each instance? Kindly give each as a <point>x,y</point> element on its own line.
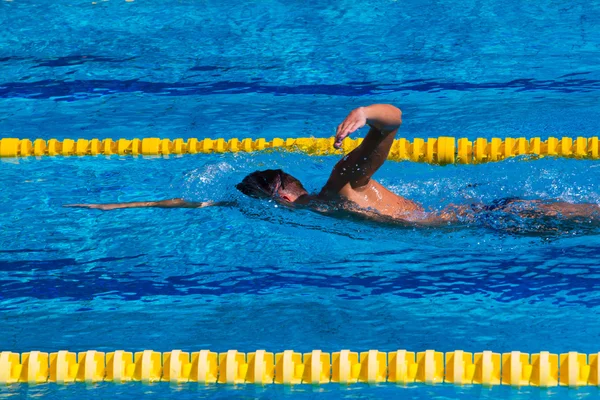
<point>288,368</point>
<point>441,150</point>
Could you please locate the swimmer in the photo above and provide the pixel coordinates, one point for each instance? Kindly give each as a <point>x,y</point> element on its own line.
<point>351,189</point>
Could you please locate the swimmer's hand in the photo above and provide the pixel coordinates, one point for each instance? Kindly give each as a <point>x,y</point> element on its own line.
<point>172,203</point>
<point>354,121</point>
<point>384,118</point>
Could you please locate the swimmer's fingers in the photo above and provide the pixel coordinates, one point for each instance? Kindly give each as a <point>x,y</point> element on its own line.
<point>339,138</point>
<point>344,133</point>
<point>354,121</point>
<point>342,129</point>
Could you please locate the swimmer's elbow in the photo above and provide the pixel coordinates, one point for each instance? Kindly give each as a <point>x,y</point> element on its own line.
<point>385,117</point>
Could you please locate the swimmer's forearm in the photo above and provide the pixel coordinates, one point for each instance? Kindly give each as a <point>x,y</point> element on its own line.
<point>384,117</point>
<point>172,203</point>
<point>176,203</point>
<point>114,206</point>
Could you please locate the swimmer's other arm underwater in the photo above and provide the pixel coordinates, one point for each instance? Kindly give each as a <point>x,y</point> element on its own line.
<point>350,187</point>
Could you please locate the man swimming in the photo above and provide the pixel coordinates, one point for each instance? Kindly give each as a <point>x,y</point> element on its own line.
<point>351,189</point>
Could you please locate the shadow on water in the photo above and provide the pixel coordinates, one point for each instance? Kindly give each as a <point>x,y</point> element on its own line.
<point>354,276</point>
<point>65,90</point>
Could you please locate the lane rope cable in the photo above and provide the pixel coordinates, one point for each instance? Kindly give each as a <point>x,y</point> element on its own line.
<point>458,367</point>
<point>441,150</point>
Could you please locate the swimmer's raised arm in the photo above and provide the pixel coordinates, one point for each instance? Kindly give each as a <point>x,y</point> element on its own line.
<point>172,203</point>
<point>357,167</point>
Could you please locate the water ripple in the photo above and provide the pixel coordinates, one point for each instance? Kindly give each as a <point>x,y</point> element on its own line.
<point>63,90</point>
<point>511,280</point>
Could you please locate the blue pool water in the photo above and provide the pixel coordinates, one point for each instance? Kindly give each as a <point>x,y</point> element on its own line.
<point>255,275</point>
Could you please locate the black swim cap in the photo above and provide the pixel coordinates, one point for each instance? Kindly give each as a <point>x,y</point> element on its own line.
<point>261,184</point>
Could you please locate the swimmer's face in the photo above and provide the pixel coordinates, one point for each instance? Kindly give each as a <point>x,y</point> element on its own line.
<point>272,183</point>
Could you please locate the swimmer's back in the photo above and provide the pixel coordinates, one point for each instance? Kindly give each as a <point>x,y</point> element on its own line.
<point>375,198</point>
